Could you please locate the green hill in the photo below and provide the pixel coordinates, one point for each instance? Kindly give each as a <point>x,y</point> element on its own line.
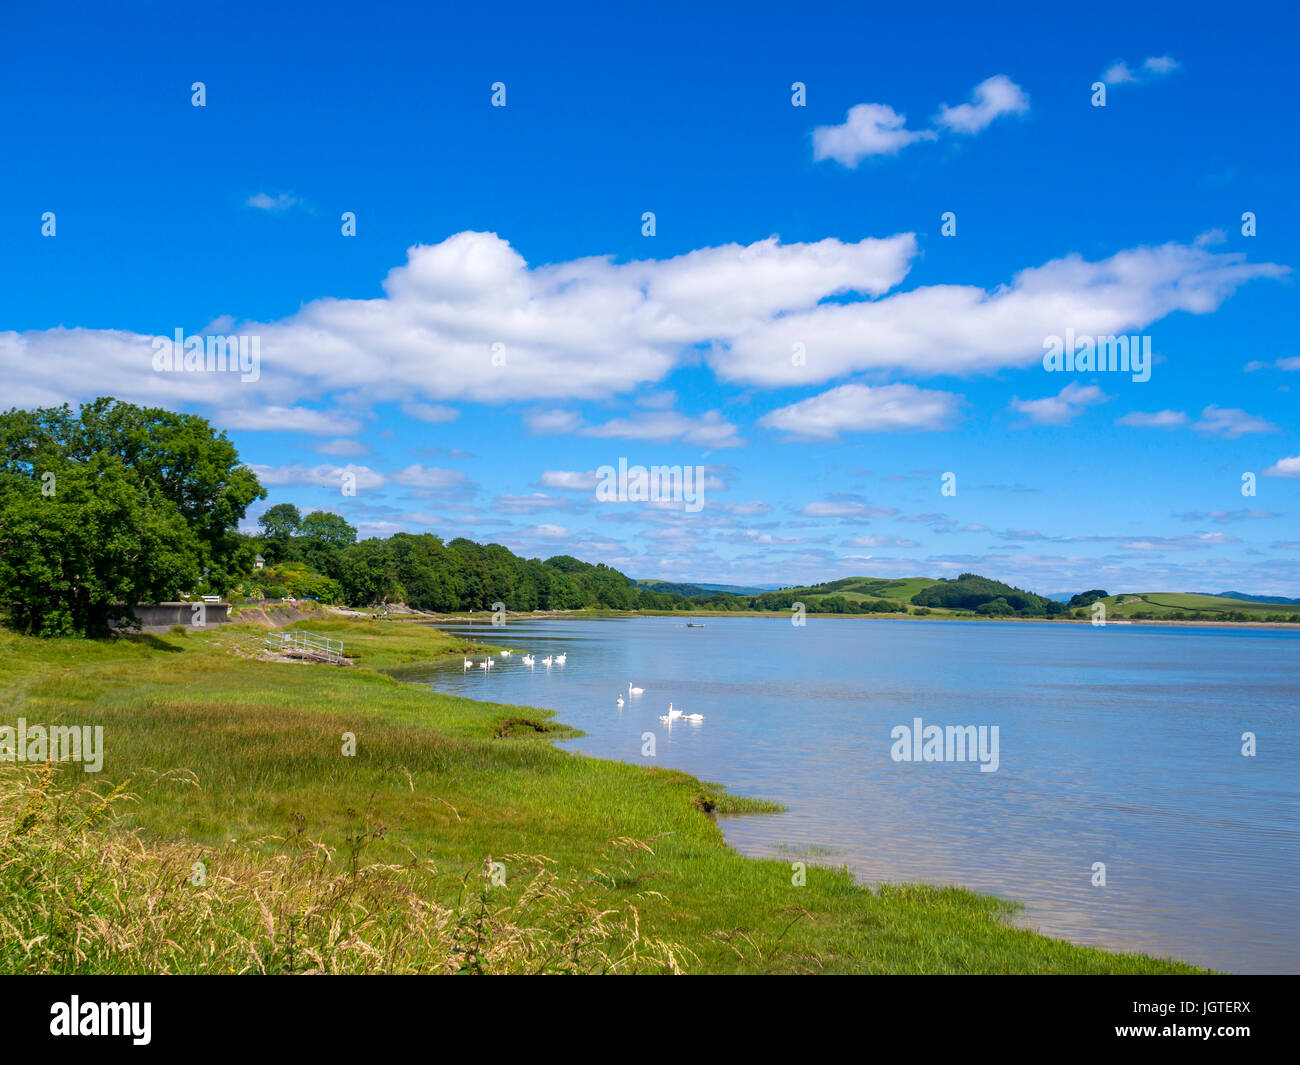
<point>1192,606</point>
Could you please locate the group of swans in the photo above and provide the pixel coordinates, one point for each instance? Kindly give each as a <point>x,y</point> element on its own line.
<point>668,718</point>
<point>527,659</point>
<point>677,715</point>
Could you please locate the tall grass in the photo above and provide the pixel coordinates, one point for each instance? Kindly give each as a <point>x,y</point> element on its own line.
<point>84,895</point>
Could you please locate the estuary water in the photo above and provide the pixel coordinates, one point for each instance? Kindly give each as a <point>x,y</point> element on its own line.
<point>1119,745</point>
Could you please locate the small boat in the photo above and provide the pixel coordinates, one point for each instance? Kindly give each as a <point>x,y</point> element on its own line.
<point>694,625</point>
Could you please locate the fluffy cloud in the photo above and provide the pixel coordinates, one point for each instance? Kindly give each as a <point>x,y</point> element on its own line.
<point>281,201</point>
<point>1063,407</point>
<point>837,509</point>
<point>663,427</point>
<point>364,478</point>
<point>290,419</point>
<point>1231,423</point>
<point>993,97</point>
<point>1157,419</point>
<point>864,409</point>
<point>571,480</point>
<point>1288,467</point>
<point>963,329</point>
<point>868,129</point>
<point>1120,73</point>
<point>591,328</point>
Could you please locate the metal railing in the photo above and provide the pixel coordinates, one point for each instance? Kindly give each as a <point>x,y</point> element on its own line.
<point>306,645</point>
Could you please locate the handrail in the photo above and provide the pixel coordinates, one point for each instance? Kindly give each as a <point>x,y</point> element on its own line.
<point>307,644</point>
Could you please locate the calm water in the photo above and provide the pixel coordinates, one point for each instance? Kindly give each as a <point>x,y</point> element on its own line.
<point>1119,745</point>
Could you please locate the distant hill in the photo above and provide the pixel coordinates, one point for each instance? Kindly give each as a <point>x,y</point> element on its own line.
<point>1280,600</point>
<point>973,593</point>
<point>691,589</point>
<point>1190,606</point>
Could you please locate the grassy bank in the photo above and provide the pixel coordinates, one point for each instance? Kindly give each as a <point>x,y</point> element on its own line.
<point>380,861</point>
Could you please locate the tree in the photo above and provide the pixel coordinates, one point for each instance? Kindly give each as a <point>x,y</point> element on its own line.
<point>1087,598</point>
<point>279,524</point>
<point>322,536</point>
<point>113,506</point>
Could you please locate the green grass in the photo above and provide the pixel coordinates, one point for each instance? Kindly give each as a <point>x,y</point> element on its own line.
<point>225,751</point>
<point>1164,603</point>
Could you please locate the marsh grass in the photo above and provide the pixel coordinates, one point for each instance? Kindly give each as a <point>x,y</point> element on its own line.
<point>83,895</point>
<point>379,857</point>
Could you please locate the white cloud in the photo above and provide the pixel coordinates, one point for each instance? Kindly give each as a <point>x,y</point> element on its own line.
<point>868,129</point>
<point>590,328</point>
<point>864,409</point>
<point>546,532</point>
<point>1160,64</point>
<point>551,422</point>
<point>324,476</point>
<point>1158,419</point>
<point>281,201</point>
<point>991,98</point>
<point>289,420</point>
<point>1063,407</point>
<point>429,477</point>
<point>527,504</point>
<point>1120,73</point>
<point>880,541</point>
<point>661,427</point>
<point>962,329</point>
<point>834,509</point>
<point>1231,422</point>
<point>1290,362</point>
<point>570,480</point>
<point>1289,467</point>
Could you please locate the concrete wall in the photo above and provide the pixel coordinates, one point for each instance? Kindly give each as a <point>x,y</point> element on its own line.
<point>165,615</point>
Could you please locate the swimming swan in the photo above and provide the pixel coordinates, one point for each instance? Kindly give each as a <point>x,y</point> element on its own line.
<point>634,691</point>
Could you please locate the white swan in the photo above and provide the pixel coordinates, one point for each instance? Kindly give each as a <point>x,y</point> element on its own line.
<point>634,691</point>
<point>559,659</point>
<point>620,702</point>
<point>469,663</point>
<point>692,717</point>
<point>547,660</point>
<point>484,664</point>
<point>506,654</point>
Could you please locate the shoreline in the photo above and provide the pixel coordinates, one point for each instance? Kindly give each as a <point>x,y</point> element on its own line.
<point>541,615</point>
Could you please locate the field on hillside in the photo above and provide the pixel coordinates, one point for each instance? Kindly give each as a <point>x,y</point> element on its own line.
<point>232,830</point>
<point>1163,604</point>
<point>869,588</point>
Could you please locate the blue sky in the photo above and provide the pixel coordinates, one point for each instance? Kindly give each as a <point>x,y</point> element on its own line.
<point>775,225</point>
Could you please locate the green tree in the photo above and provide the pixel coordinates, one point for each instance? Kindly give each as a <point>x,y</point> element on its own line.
<point>322,536</point>
<point>279,525</point>
<point>113,506</point>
